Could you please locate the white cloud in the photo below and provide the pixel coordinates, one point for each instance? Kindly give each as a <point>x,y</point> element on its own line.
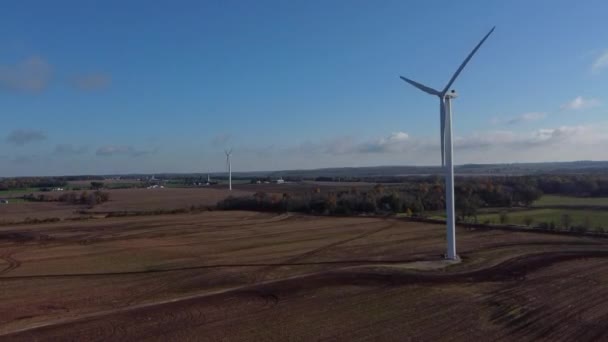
<point>546,144</point>
<point>601,62</point>
<point>544,137</point>
<point>581,103</point>
<point>486,146</point>
<point>397,141</point>
<point>479,140</point>
<point>32,74</point>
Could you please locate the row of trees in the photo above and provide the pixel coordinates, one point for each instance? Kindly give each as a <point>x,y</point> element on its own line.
<point>574,185</point>
<point>413,198</point>
<point>41,182</point>
<point>84,198</point>
<point>583,185</point>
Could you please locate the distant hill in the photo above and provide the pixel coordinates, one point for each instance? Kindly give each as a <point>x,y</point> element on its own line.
<point>514,169</point>
<point>575,167</point>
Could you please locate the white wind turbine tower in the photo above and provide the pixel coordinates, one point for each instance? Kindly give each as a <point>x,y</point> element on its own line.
<point>229,167</point>
<point>445,112</point>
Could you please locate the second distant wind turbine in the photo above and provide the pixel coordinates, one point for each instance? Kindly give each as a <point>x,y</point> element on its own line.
<point>229,168</point>
<point>445,113</point>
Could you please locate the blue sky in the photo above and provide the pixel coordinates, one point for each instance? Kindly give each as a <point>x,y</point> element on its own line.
<point>141,86</point>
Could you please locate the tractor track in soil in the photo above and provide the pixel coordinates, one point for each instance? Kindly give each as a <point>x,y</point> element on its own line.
<point>269,293</point>
<point>13,263</point>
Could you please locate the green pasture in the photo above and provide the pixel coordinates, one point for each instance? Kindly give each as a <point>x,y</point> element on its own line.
<point>582,217</point>
<point>553,200</point>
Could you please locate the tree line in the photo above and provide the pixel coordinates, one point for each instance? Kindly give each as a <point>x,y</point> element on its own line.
<point>41,182</point>
<point>84,198</point>
<point>415,198</point>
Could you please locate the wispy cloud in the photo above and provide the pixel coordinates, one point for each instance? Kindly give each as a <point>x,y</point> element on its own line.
<point>394,142</point>
<point>221,139</point>
<point>24,159</point>
<point>522,118</point>
<point>581,103</point>
<point>122,150</point>
<point>32,74</point>
<point>476,143</point>
<point>69,150</point>
<point>541,137</point>
<point>90,82</point>
<point>21,137</point>
<point>601,62</point>
<point>527,117</point>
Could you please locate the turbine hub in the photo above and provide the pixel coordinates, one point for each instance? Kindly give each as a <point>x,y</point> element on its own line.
<point>452,94</point>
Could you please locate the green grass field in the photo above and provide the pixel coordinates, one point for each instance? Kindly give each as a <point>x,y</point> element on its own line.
<point>17,192</point>
<point>595,218</point>
<point>553,200</point>
<point>16,200</point>
<point>122,185</point>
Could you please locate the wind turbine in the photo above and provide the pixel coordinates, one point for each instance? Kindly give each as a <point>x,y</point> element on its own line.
<point>445,113</point>
<point>229,167</point>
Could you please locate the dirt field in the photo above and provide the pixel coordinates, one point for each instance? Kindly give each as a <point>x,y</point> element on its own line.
<point>18,212</point>
<point>167,198</point>
<point>120,200</point>
<point>141,199</point>
<point>249,276</point>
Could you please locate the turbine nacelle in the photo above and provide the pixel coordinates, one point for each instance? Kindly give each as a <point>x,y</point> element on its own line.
<point>452,94</point>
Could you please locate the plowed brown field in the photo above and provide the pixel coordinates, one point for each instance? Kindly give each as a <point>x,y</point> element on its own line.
<point>130,200</point>
<point>244,276</point>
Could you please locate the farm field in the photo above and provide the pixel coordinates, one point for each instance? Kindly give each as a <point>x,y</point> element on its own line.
<point>167,198</point>
<point>120,200</point>
<point>553,200</point>
<point>590,217</point>
<point>244,276</point>
<point>17,192</point>
<point>20,211</point>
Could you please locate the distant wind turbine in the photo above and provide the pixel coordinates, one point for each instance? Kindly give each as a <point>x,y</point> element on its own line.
<point>229,167</point>
<point>445,113</point>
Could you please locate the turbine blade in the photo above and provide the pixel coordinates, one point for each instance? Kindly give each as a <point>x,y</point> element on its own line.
<point>422,87</point>
<point>447,87</point>
<point>442,133</point>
